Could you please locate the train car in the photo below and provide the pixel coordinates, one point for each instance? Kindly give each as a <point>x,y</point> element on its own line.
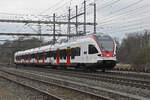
<point>89,52</point>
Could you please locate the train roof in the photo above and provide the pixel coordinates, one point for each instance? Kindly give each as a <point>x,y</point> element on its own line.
<point>57,44</point>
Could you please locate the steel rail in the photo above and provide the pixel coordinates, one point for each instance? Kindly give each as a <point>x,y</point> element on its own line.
<point>99,97</point>
<point>106,77</point>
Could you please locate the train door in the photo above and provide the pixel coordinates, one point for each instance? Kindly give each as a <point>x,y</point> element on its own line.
<point>33,57</point>
<point>25,59</point>
<point>28,59</point>
<point>37,58</point>
<point>57,57</point>
<point>50,54</point>
<point>17,59</point>
<point>68,56</point>
<point>84,56</point>
<point>43,58</point>
<point>92,52</point>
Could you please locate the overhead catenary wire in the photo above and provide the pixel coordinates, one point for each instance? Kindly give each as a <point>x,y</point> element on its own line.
<point>127,19</point>
<point>129,25</point>
<point>110,4</point>
<point>114,15</point>
<point>126,7</point>
<point>129,16</point>
<point>51,7</point>
<point>130,29</point>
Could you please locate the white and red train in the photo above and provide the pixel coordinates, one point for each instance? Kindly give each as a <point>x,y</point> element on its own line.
<point>92,51</point>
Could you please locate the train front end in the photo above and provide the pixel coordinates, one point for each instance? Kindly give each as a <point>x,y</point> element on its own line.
<point>107,55</point>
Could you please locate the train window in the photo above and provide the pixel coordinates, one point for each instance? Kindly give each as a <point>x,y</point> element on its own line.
<point>41,56</point>
<point>73,53</point>
<point>23,57</point>
<point>61,54</point>
<point>50,54</point>
<point>64,53</point>
<point>46,55</point>
<point>78,50</point>
<point>35,56</point>
<point>58,53</point>
<point>32,56</point>
<point>106,43</point>
<point>28,57</point>
<point>16,57</point>
<point>54,54</point>
<point>92,49</point>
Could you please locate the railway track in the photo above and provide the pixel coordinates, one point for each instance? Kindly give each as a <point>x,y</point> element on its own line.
<point>46,95</point>
<point>52,88</point>
<point>137,83</point>
<point>133,80</point>
<point>79,85</point>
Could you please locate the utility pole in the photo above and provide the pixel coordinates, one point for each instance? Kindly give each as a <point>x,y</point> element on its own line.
<point>40,31</point>
<point>77,20</point>
<point>84,28</point>
<point>54,38</point>
<point>69,22</point>
<point>94,18</point>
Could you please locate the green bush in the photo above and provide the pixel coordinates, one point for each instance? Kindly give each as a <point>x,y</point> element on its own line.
<point>142,60</point>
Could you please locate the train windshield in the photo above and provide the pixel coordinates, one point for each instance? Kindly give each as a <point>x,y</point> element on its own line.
<point>106,43</point>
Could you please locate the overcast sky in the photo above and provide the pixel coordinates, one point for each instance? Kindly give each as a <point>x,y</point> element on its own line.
<point>114,17</point>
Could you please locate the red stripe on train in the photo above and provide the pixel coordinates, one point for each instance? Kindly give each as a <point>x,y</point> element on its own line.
<point>107,54</point>
<point>57,59</point>
<point>68,56</point>
<point>96,42</point>
<point>28,59</point>
<point>25,59</point>
<point>43,58</point>
<point>37,58</point>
